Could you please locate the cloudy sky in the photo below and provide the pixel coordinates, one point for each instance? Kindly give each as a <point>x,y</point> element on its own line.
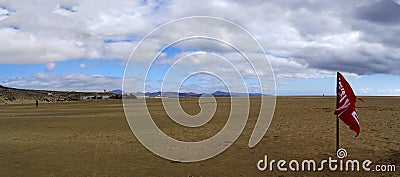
<point>85,45</point>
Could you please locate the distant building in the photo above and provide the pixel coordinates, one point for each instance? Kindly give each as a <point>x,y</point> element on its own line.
<point>143,97</point>
<point>96,97</point>
<point>86,97</point>
<point>159,96</point>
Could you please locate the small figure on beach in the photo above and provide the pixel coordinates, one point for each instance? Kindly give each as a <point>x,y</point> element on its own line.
<point>37,103</point>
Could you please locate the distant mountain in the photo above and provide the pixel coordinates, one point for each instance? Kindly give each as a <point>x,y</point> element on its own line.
<point>192,94</point>
<point>221,94</point>
<point>235,94</point>
<point>8,94</point>
<point>258,94</point>
<point>171,94</point>
<point>118,92</point>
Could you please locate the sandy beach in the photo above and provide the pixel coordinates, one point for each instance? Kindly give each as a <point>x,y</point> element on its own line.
<point>92,138</point>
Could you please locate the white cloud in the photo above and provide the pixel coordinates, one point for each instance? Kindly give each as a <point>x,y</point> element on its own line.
<point>50,66</point>
<point>379,92</point>
<point>65,11</point>
<point>57,31</point>
<point>67,82</point>
<point>82,65</point>
<point>25,47</point>
<point>4,13</point>
<point>311,39</point>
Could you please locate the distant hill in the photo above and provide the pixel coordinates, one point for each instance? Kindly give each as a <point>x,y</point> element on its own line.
<point>221,94</point>
<point>236,94</point>
<point>8,94</point>
<point>192,94</point>
<point>119,92</point>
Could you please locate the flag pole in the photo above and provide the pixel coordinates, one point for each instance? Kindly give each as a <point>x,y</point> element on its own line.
<point>337,106</point>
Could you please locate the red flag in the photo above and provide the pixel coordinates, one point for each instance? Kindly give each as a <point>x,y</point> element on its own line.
<point>346,109</point>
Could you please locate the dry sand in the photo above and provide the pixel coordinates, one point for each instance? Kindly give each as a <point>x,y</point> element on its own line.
<point>93,139</point>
